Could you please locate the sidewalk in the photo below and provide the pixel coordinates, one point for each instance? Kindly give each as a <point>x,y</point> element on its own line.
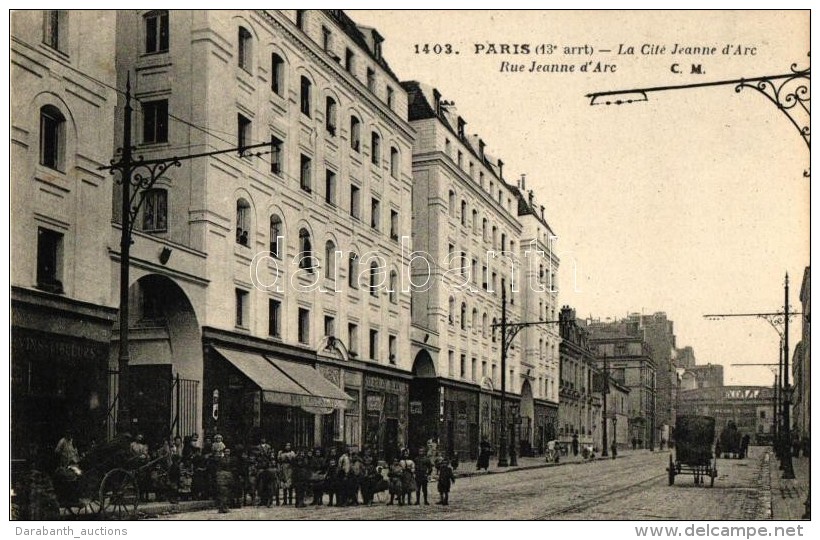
<point>789,496</point>
<point>465,470</point>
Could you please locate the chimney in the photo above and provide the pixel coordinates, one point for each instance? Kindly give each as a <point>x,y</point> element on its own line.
<point>523,181</point>
<point>437,98</point>
<point>542,212</point>
<point>461,124</point>
<point>532,196</point>
<point>481,148</point>
<point>501,169</point>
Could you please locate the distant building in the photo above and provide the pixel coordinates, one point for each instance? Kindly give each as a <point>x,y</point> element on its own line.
<point>580,410</point>
<point>620,344</point>
<point>685,357</point>
<point>705,376</point>
<point>751,408</point>
<point>801,364</point>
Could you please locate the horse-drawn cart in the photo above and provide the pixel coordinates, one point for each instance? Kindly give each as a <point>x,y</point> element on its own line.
<point>104,484</point>
<point>694,443</point>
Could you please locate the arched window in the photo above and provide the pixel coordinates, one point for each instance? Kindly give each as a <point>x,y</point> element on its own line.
<point>484,325</point>
<point>52,138</point>
<point>276,236</point>
<point>305,251</point>
<point>451,310</point>
<point>355,134</point>
<point>495,236</point>
<point>305,100</point>
<point>394,162</point>
<point>463,212</point>
<point>474,325</point>
<point>243,222</point>
<point>353,270</point>
<point>330,259</point>
<point>375,148</point>
<point>463,316</point>
<point>277,78</point>
<point>475,220</point>
<point>394,284</point>
<point>484,229</point>
<point>330,116</point>
<point>245,56</point>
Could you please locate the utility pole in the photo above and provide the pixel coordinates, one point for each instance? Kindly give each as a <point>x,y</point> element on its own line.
<point>136,176</point>
<point>788,468</point>
<point>508,333</point>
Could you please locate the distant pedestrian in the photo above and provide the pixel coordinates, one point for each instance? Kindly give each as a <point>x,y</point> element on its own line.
<point>574,444</point>
<point>483,455</point>
<point>634,443</point>
<point>446,478</point>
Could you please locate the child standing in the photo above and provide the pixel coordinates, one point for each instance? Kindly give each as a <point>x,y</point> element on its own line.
<point>446,478</point>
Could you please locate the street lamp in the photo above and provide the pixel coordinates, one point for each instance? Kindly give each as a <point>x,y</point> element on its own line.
<point>508,333</point>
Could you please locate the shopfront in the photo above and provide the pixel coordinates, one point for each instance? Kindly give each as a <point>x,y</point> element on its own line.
<point>385,414</point>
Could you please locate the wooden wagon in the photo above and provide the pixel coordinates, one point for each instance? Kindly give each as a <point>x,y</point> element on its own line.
<point>693,453</point>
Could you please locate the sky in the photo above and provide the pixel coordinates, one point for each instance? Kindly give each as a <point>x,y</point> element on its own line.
<point>691,203</point>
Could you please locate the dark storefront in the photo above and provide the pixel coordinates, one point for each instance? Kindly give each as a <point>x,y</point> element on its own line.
<point>546,422</point>
<point>59,375</point>
<point>256,394</point>
<point>385,414</point>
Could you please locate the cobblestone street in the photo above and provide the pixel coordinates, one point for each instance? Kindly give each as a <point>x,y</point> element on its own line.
<point>633,487</point>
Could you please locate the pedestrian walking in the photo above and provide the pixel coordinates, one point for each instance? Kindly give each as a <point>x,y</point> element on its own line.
<point>446,478</point>
<point>424,467</point>
<point>484,450</point>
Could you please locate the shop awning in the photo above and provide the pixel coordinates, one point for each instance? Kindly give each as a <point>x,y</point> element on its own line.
<point>304,388</point>
<point>331,396</point>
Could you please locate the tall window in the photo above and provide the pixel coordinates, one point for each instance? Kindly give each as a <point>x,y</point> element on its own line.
<point>49,260</point>
<point>451,364</point>
<point>330,115</point>
<point>300,19</point>
<point>355,202</point>
<point>55,29</point>
<point>243,222</point>
<point>156,31</point>
<point>349,61</point>
<point>451,310</point>
<point>374,279</point>
<point>394,162</point>
<point>330,187</point>
<point>462,372</point>
<point>375,148</point>
<point>277,78</point>
<point>391,348</point>
<point>355,134</point>
<point>326,39</point>
<point>353,338</point>
<point>330,325</point>
<point>155,210</point>
<point>305,251</point>
<point>276,236</point>
<point>394,225</point>
<point>451,203</point>
<point>374,344</point>
<point>305,96</point>
<point>52,137</point>
<point>245,49</point>
<point>243,133</point>
<point>375,213</point>
<point>330,259</point>
<point>277,155</point>
<point>155,121</point>
<point>463,316</point>
<point>353,270</point>
<point>274,318</point>
<point>463,212</point>
<point>304,326</point>
<point>394,287</point>
<point>371,79</point>
<point>241,308</point>
<point>390,97</point>
<point>304,173</point>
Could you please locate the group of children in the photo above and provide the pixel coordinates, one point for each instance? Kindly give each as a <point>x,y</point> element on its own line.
<point>258,475</point>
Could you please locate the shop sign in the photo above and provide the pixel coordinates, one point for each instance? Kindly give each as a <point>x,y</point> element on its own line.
<point>415,407</point>
<point>57,348</point>
<point>385,385</point>
<point>375,402</point>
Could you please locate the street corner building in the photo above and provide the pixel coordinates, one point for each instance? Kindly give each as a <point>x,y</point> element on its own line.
<point>217,218</point>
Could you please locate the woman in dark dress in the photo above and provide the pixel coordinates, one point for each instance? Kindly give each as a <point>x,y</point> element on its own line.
<point>483,456</point>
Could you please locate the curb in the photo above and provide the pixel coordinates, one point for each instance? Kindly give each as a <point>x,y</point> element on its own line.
<point>537,466</point>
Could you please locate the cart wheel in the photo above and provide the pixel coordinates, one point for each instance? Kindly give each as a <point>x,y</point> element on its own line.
<point>119,495</point>
<point>86,509</point>
<point>671,471</point>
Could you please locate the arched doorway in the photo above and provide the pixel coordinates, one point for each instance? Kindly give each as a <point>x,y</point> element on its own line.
<point>424,401</point>
<point>527,414</point>
<point>165,366</point>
